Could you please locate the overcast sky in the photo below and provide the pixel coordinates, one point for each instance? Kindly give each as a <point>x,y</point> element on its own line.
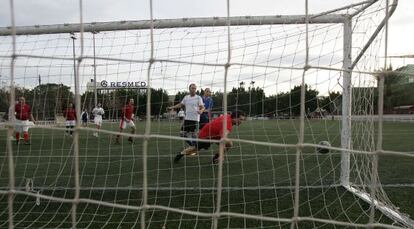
<point>30,12</point>
<point>44,12</point>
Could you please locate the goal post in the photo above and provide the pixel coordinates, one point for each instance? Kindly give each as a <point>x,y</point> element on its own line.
<point>192,50</point>
<point>346,103</point>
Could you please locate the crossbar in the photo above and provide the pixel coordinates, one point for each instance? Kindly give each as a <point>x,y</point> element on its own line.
<point>173,23</point>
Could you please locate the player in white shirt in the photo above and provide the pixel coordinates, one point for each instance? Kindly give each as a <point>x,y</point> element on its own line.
<point>194,106</point>
<point>98,112</point>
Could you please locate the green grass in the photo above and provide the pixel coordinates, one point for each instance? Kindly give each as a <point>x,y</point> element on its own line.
<point>257,179</point>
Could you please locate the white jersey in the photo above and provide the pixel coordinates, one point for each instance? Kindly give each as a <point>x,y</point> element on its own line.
<point>98,112</point>
<point>192,106</point>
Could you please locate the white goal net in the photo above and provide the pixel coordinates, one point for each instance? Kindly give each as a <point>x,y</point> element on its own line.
<point>313,151</point>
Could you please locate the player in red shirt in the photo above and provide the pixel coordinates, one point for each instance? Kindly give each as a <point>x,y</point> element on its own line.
<point>70,115</point>
<point>127,120</point>
<point>214,130</point>
<point>23,114</point>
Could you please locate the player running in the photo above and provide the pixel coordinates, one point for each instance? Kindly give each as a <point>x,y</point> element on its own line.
<point>23,113</point>
<point>127,120</point>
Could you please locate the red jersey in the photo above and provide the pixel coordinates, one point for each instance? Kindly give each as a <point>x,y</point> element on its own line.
<point>214,129</point>
<point>128,111</point>
<point>23,112</point>
<point>70,114</point>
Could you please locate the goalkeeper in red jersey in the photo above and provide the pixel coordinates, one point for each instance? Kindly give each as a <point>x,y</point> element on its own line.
<point>214,130</point>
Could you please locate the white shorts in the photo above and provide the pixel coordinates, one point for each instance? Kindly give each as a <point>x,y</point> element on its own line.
<point>70,122</point>
<point>125,123</point>
<point>22,125</point>
<point>97,121</point>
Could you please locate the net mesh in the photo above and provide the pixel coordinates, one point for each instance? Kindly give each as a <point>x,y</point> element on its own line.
<point>259,173</point>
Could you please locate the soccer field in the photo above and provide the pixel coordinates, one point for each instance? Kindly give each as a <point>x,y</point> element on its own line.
<point>257,179</point>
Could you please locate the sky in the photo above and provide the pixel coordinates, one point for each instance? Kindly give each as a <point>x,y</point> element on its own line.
<point>43,12</point>
<point>46,12</point>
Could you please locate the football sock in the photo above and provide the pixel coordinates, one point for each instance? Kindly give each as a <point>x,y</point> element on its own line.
<point>26,136</point>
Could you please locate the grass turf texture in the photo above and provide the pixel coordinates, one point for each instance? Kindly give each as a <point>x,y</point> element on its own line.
<point>257,179</point>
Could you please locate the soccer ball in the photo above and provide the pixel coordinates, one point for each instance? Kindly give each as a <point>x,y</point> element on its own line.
<point>321,149</point>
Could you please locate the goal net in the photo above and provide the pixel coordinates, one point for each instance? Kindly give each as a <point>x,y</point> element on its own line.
<point>313,151</point>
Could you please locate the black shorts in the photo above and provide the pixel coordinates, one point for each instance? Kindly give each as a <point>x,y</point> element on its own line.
<point>202,145</point>
<point>189,126</point>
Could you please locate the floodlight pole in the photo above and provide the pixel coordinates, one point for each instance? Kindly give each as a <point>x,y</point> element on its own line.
<point>250,97</point>
<point>72,36</point>
<point>94,70</point>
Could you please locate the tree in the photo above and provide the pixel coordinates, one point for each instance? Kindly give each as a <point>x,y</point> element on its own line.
<point>392,80</point>
<point>159,102</point>
<point>398,91</point>
<point>50,99</point>
<point>238,98</point>
<point>311,99</point>
<point>179,96</point>
<point>46,100</point>
<point>331,102</point>
<point>217,101</point>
